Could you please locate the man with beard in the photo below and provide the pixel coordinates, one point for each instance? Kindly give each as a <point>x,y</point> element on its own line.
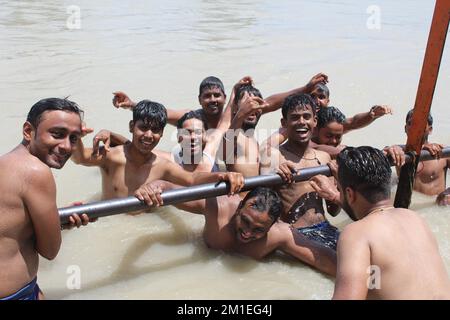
<point>249,226</point>
<point>388,253</point>
<point>240,148</point>
<point>125,167</point>
<point>303,207</point>
<point>30,224</point>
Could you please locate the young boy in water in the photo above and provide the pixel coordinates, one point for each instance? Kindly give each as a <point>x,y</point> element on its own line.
<point>329,131</point>
<point>431,175</point>
<point>125,167</point>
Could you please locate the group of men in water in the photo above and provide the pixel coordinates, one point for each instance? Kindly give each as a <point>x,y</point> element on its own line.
<point>217,143</point>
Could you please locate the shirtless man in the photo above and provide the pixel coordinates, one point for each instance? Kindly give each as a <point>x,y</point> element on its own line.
<point>303,208</point>
<point>388,253</point>
<point>431,175</point>
<point>126,167</point>
<point>30,224</point>
<point>249,226</point>
<point>239,144</point>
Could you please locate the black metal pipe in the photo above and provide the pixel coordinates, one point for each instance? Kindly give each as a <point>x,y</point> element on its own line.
<point>129,204</point>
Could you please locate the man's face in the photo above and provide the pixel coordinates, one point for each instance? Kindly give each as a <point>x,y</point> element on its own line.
<point>300,124</point>
<point>192,137</point>
<point>55,137</point>
<point>320,98</point>
<point>428,129</point>
<point>212,101</point>
<point>252,120</point>
<point>331,134</point>
<point>145,136</point>
<point>251,224</point>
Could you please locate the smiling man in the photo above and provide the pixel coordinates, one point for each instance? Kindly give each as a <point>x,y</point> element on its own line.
<point>249,226</point>
<point>29,220</point>
<point>303,207</point>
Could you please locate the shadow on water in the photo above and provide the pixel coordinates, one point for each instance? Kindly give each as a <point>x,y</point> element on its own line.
<point>180,234</point>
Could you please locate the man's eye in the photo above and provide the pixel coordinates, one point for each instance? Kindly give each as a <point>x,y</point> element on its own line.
<point>73,139</point>
<point>57,135</point>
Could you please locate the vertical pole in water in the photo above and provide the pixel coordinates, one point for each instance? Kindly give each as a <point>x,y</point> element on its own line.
<point>424,97</point>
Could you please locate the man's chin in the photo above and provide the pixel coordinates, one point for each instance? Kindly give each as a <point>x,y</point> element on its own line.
<point>55,164</point>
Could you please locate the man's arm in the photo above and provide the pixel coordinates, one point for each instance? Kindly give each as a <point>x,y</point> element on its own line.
<point>121,100</point>
<point>87,156</point>
<point>39,198</point>
<point>362,120</point>
<point>276,139</point>
<point>150,193</point>
<point>282,237</point>
<point>353,266</point>
<point>175,174</point>
<point>275,101</point>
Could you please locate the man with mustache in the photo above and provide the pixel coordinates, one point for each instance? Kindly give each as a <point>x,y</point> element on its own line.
<point>248,226</point>
<point>29,220</point>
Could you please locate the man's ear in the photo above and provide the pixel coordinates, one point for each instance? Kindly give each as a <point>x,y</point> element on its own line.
<point>315,121</point>
<point>131,125</point>
<point>283,122</point>
<point>28,131</point>
<point>351,195</point>
<point>431,130</point>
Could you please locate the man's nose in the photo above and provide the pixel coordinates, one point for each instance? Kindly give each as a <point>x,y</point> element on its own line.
<point>65,145</point>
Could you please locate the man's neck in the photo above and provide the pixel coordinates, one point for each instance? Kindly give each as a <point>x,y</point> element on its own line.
<point>135,156</point>
<point>296,148</point>
<point>213,120</point>
<point>370,208</point>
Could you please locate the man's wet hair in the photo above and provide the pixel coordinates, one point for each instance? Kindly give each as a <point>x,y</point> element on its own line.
<point>195,114</point>
<point>329,114</point>
<point>251,90</point>
<point>365,170</point>
<point>51,104</point>
<point>322,88</point>
<point>211,83</point>
<point>266,200</point>
<point>410,113</point>
<point>151,113</point>
<point>302,100</point>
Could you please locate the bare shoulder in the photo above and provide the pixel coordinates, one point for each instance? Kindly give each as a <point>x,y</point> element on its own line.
<point>355,232</point>
<point>324,157</point>
<point>163,154</point>
<point>280,231</point>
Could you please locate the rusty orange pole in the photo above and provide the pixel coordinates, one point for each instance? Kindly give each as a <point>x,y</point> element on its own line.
<point>424,97</point>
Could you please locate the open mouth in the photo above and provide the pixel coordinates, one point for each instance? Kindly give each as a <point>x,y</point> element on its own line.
<point>146,144</point>
<point>243,237</point>
<point>213,107</point>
